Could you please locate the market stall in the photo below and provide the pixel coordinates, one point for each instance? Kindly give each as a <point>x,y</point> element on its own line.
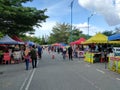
<point>97,48</point>
<point>114,57</point>
<point>78,48</point>
<point>10,43</point>
<point>8,40</point>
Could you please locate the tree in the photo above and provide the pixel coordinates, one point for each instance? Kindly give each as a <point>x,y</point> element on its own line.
<point>37,40</point>
<point>43,40</point>
<point>117,30</point>
<point>62,33</point>
<point>108,33</point>
<point>17,19</point>
<point>1,35</point>
<point>75,34</point>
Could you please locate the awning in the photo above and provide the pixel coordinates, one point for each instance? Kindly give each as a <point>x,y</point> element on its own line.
<point>114,37</point>
<point>79,41</point>
<point>8,40</point>
<point>99,38</point>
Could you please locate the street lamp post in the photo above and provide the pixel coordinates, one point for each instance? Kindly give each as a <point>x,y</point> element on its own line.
<point>88,27</point>
<point>88,24</point>
<point>71,20</point>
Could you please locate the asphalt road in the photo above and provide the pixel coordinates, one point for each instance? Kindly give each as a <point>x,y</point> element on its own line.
<point>58,74</point>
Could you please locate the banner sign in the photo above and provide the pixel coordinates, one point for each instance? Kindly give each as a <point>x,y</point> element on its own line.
<point>80,53</point>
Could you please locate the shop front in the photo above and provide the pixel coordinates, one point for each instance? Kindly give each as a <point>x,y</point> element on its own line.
<point>98,48</point>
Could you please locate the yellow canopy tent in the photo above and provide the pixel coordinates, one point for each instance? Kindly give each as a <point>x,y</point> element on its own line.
<point>99,38</point>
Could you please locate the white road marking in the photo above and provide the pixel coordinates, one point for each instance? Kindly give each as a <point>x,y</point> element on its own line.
<point>92,83</point>
<point>118,78</point>
<point>100,71</point>
<point>30,79</point>
<point>25,81</point>
<point>21,88</point>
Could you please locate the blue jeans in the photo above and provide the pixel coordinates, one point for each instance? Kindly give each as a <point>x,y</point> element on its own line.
<point>64,54</point>
<point>27,63</point>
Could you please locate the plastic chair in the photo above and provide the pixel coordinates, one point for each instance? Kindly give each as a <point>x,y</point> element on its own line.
<point>6,58</point>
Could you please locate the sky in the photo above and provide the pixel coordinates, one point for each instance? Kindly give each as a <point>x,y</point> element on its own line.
<point>103,14</point>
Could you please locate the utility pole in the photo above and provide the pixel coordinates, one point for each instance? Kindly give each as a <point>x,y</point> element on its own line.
<point>71,5</point>
<point>88,24</point>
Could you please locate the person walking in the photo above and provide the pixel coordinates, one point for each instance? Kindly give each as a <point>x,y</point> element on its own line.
<point>27,57</point>
<point>40,52</point>
<point>70,51</point>
<point>64,52</point>
<point>33,56</point>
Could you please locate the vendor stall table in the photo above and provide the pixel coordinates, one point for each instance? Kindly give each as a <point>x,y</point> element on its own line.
<point>92,57</point>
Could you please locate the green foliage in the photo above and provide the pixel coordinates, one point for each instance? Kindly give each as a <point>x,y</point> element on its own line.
<point>75,34</point>
<point>117,30</point>
<point>43,40</point>
<point>17,19</point>
<point>108,33</point>
<point>63,33</point>
<point>34,39</point>
<point>1,35</point>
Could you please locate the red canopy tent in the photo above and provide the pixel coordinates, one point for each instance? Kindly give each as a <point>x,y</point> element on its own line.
<point>78,41</point>
<point>16,38</point>
<point>71,43</point>
<point>56,44</point>
<point>2,45</point>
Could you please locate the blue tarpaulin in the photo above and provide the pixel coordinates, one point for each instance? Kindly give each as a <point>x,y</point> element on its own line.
<point>63,44</point>
<point>7,40</point>
<point>114,37</point>
<point>30,43</point>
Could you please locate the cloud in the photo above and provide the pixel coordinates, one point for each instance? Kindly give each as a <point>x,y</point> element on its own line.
<point>45,29</point>
<point>82,25</point>
<point>110,9</point>
<point>92,29</point>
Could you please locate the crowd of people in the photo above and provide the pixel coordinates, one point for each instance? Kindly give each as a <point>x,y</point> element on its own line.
<point>100,51</point>
<point>65,51</point>
<point>28,53</point>
<point>24,53</point>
